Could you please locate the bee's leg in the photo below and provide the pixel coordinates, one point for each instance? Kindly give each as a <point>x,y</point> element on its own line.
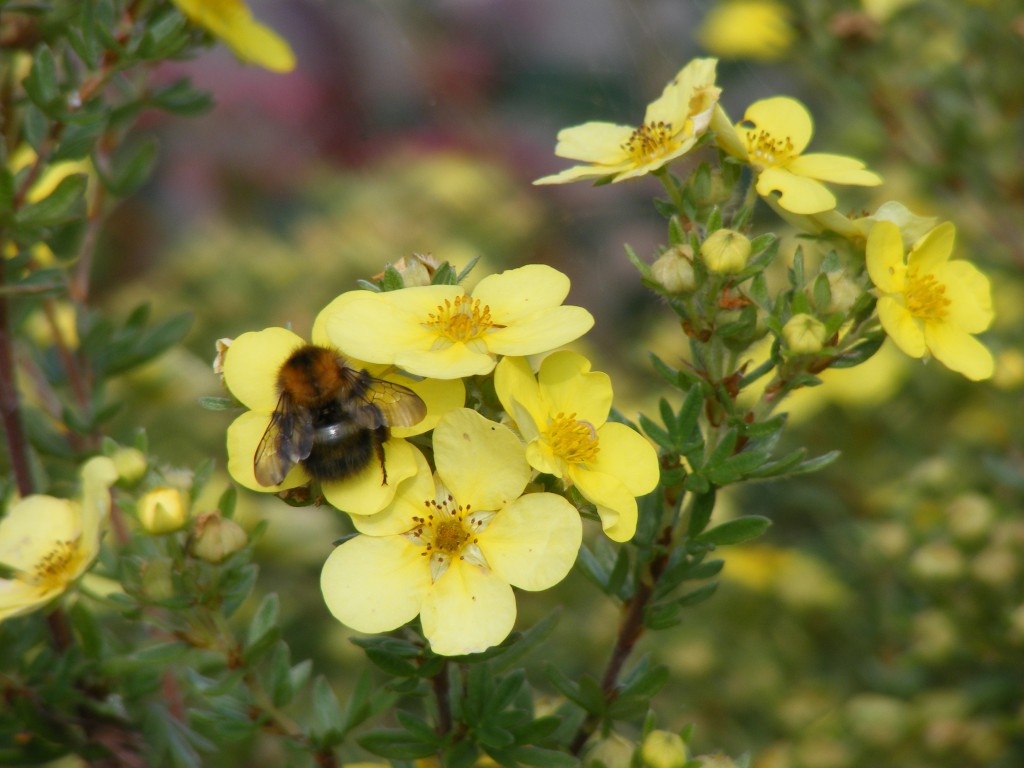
<point>382,436</point>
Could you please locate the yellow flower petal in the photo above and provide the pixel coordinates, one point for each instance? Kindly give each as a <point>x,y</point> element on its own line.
<point>251,365</point>
<point>519,393</point>
<point>727,136</point>
<point>569,386</point>
<point>615,504</point>
<point>839,169</point>
<point>98,474</point>
<point>798,194</point>
<point>884,257</point>
<point>544,330</point>
<point>628,455</point>
<point>439,395</point>
<point>783,118</point>
<point>365,492</point>
<point>375,327</point>
<point>522,292</point>
<point>533,542</point>
<point>594,142</point>
<point>399,516</point>
<point>901,327</point>
<point>375,584</point>
<point>540,456</point>
<point>970,295</point>
<point>959,351</point>
<point>481,462</point>
<point>18,597</point>
<point>468,610</point>
<point>934,248</point>
<point>232,22</point>
<point>32,525</point>
<point>243,438</point>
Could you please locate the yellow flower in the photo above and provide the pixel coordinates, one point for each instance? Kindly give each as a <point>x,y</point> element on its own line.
<point>232,22</point>
<point>451,546</point>
<point>672,125</point>
<point>747,29</point>
<point>443,332</point>
<point>48,542</point>
<point>563,416</point>
<point>929,303</point>
<point>771,138</point>
<point>251,367</point>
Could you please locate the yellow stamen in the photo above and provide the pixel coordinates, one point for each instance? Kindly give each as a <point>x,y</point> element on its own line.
<point>462,320</point>
<point>53,571</point>
<point>768,152</point>
<point>926,296</point>
<point>650,141</point>
<point>572,441</point>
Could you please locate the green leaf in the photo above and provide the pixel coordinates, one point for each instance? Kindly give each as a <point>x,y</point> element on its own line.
<point>131,168</point>
<point>326,728</point>
<point>392,279</point>
<point>735,531</point>
<point>263,629</point>
<point>464,272</point>
<point>279,681</point>
<point>735,467</point>
<point>700,512</point>
<point>444,275</point>
<point>860,352</point>
<point>586,693</point>
<point>641,266</point>
<point>77,140</point>
<point>657,434</point>
<point>390,654</point>
<point>397,744</point>
<point>180,98</point>
<point>644,680</point>
<point>165,35</point>
<point>41,84</point>
<point>226,503</point>
<point>544,758</point>
<point>525,642</point>
<point>58,206</point>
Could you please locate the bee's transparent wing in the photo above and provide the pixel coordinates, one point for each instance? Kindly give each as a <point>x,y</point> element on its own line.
<point>287,441</point>
<point>390,405</point>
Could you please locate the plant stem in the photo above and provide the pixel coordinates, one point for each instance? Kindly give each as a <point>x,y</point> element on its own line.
<point>10,409</point>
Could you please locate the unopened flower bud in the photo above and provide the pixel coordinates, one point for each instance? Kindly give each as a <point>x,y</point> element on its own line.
<point>845,292</point>
<point>416,270</point>
<point>674,269</point>
<point>164,510</point>
<point>130,464</point>
<point>725,251</point>
<point>217,538</point>
<point>937,562</point>
<point>613,751</point>
<point>803,334</point>
<point>663,749</point>
<point>970,517</point>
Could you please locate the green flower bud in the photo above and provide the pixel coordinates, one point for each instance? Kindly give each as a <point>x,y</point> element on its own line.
<point>216,538</point>
<point>663,749</point>
<point>803,334</point>
<point>674,270</point>
<point>164,510</point>
<point>725,251</point>
<point>845,292</point>
<point>612,751</point>
<point>130,464</point>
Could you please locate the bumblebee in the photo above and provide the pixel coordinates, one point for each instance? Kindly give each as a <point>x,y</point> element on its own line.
<point>331,418</point>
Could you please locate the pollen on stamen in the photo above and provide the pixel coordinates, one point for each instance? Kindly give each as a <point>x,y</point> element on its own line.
<point>461,320</point>
<point>650,141</point>
<point>767,150</point>
<point>575,442</point>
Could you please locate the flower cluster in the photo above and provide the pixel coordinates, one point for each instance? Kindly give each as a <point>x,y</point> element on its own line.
<point>927,303</point>
<point>446,533</point>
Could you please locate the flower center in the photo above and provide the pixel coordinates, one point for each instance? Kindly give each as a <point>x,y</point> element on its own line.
<point>573,441</point>
<point>54,569</point>
<point>461,320</point>
<point>649,142</point>
<point>766,151</point>
<point>447,531</point>
<point>926,296</point>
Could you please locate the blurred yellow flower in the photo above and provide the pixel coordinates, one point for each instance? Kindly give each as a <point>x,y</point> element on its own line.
<point>771,138</point>
<point>747,29</point>
<point>881,10</point>
<point>232,22</point>
<point>563,416</point>
<point>451,546</point>
<point>251,367</point>
<point>443,332</point>
<point>672,125</point>
<point>47,543</point>
<point>929,303</point>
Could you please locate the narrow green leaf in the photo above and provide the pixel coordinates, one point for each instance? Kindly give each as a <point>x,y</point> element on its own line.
<point>735,531</point>
<point>700,512</point>
<point>41,84</point>
<point>735,467</point>
<point>397,744</point>
<point>326,728</point>
<point>263,629</point>
<point>526,642</point>
<point>58,206</point>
